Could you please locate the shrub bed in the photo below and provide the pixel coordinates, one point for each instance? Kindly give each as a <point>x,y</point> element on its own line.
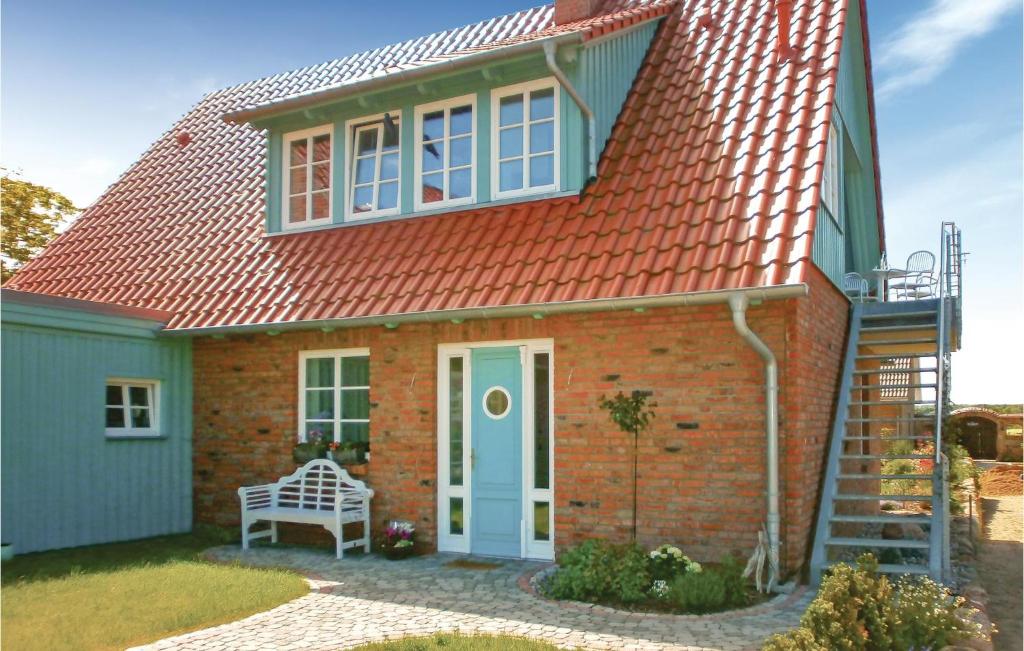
<point>663,579</point>
<point>856,608</point>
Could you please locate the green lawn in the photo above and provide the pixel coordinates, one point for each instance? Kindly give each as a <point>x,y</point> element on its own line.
<point>460,643</point>
<point>122,594</point>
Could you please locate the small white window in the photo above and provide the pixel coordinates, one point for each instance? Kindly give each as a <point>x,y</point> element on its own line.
<point>446,153</point>
<point>307,178</point>
<point>132,408</point>
<point>375,166</point>
<point>831,181</point>
<point>525,134</point>
<point>334,395</point>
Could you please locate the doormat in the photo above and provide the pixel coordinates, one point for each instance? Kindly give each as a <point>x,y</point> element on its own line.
<point>466,564</point>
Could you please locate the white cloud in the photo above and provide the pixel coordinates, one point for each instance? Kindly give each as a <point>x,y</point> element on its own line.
<point>923,47</point>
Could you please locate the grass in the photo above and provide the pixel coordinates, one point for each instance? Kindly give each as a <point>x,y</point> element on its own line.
<point>123,594</point>
<point>449,642</point>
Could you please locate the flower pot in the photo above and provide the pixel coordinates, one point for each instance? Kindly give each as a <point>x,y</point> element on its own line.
<point>303,453</point>
<point>344,456</point>
<point>6,551</point>
<point>393,553</point>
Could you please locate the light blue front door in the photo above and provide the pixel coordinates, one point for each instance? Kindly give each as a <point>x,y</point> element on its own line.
<point>497,451</point>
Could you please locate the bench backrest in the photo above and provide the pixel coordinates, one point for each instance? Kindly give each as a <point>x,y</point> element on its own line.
<point>315,485</point>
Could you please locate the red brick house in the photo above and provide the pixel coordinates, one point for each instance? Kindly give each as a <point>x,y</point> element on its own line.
<point>445,252</point>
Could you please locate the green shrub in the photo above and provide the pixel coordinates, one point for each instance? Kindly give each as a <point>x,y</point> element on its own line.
<point>710,590</point>
<point>598,571</point>
<point>667,562</point>
<point>857,609</point>
<point>927,616</point>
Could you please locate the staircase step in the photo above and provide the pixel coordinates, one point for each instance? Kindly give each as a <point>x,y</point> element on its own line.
<point>888,438</point>
<point>853,476</point>
<point>864,387</point>
<point>898,315</point>
<point>892,568</point>
<point>883,519</point>
<point>896,342</point>
<point>856,403</point>
<point>872,497</point>
<point>868,457</point>
<point>898,356</point>
<point>877,542</point>
<point>909,419</point>
<point>869,371</point>
<point>898,328</point>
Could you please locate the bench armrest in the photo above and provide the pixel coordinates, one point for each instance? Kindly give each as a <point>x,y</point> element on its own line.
<point>257,497</point>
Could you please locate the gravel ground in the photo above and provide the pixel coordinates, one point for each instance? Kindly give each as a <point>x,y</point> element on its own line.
<point>1000,567</point>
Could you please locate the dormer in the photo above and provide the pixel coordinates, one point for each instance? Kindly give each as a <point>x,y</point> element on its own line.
<point>508,122</point>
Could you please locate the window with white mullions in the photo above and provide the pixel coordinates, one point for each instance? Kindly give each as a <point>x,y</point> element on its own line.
<point>526,134</point>
<point>334,395</point>
<point>445,174</point>
<point>131,408</point>
<point>307,178</point>
<point>376,163</point>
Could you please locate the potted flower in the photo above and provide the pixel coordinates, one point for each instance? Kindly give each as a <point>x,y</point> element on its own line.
<point>314,447</point>
<point>344,453</point>
<point>398,540</point>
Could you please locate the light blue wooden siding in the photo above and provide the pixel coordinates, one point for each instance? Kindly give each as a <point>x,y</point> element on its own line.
<point>857,249</point>
<point>603,73</point>
<point>828,247</point>
<point>64,483</point>
<point>606,73</point>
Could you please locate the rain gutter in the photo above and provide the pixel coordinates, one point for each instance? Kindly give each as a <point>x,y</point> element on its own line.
<point>550,48</point>
<point>535,310</point>
<point>390,79</point>
<point>738,303</point>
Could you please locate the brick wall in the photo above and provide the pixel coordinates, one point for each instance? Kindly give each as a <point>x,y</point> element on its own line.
<point>701,470</point>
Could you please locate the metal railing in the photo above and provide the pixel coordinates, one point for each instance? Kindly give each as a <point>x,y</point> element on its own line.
<point>950,283</point>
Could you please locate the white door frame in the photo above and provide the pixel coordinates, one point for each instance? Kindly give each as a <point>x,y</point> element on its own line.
<point>447,541</point>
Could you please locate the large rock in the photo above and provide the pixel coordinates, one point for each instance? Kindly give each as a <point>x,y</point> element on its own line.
<point>906,531</point>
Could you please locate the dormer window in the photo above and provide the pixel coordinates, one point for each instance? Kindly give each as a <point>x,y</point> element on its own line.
<point>446,155</point>
<point>375,167</point>
<point>307,177</point>
<point>526,136</point>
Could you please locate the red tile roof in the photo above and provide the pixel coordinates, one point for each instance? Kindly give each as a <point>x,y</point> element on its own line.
<point>710,180</point>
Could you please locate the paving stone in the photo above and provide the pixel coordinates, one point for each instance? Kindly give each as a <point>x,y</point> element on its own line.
<point>366,599</point>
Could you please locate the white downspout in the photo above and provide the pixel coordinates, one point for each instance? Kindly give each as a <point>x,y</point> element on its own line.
<point>738,303</point>
<point>549,55</point>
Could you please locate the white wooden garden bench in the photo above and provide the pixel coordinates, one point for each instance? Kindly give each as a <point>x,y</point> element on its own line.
<point>320,492</point>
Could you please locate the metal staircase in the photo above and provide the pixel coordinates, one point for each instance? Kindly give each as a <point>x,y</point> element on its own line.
<point>885,488</point>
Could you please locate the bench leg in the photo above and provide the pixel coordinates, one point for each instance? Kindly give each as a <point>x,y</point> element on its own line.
<point>245,532</point>
<point>339,541</point>
<point>366,530</point>
<point>273,532</point>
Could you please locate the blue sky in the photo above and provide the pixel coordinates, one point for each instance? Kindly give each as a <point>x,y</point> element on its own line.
<point>87,86</point>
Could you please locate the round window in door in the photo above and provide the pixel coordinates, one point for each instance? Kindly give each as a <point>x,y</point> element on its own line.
<point>497,402</point>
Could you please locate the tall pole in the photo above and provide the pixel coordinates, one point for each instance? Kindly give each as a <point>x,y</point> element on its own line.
<point>636,435</point>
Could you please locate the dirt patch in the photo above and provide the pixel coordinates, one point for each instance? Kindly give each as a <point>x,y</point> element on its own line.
<point>1002,480</point>
<point>1000,567</point>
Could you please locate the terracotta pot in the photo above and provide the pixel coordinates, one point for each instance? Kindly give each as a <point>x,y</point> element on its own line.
<point>397,553</point>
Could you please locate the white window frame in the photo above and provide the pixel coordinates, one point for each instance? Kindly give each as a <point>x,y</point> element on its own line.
<point>337,355</point>
<point>153,390</point>
<point>351,126</point>
<point>831,182</point>
<point>446,106</point>
<point>286,141</point>
<point>524,89</point>
<point>448,542</point>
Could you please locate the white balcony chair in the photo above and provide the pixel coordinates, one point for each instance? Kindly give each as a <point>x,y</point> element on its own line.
<point>856,287</point>
<point>919,281</point>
